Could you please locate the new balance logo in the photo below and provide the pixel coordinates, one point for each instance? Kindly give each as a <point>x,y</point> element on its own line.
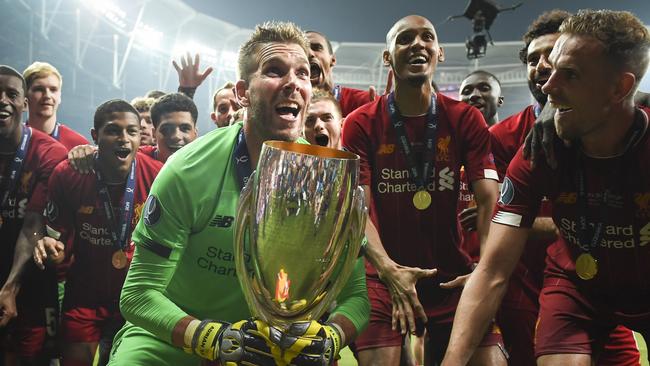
<point>222,221</point>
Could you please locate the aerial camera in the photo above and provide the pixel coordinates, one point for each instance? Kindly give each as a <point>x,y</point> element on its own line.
<point>482,13</point>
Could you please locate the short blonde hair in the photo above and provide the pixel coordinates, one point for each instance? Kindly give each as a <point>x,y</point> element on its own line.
<point>625,40</point>
<point>39,70</point>
<point>142,104</point>
<point>268,32</point>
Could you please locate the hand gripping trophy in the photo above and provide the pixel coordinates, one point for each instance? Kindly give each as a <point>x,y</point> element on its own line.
<point>299,228</point>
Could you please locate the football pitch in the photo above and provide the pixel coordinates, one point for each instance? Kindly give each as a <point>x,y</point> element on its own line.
<point>347,359</point>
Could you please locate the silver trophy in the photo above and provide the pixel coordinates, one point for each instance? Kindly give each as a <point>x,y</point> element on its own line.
<point>299,227</point>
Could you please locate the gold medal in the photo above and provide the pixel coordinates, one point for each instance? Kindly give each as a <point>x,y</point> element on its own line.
<point>422,200</point>
<point>586,266</point>
<point>119,259</point>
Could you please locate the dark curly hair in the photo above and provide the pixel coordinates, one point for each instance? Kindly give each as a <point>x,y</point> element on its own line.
<point>547,23</point>
<point>173,102</point>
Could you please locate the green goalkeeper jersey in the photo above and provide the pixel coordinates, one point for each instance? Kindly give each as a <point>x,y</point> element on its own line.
<point>184,261</point>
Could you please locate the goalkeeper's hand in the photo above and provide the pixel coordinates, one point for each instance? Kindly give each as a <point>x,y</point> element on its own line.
<point>308,343</point>
<point>245,342</point>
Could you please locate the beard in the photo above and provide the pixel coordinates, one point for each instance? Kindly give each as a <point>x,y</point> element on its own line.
<point>260,119</point>
<point>540,97</point>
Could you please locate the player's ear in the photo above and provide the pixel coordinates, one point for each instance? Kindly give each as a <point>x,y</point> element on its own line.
<point>241,92</point>
<point>93,134</point>
<point>441,54</point>
<point>386,57</point>
<point>500,101</point>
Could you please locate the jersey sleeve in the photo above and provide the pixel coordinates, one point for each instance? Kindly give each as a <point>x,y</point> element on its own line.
<point>521,193</point>
<point>160,237</point>
<point>477,154</point>
<point>50,156</point>
<point>353,301</point>
<point>357,141</point>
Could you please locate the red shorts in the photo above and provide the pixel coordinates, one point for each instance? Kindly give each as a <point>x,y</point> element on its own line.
<point>379,332</point>
<point>31,334</point>
<point>518,329</point>
<point>90,325</point>
<point>570,323</point>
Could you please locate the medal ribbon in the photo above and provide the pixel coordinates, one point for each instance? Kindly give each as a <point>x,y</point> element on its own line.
<point>402,139</point>
<point>119,238</point>
<point>55,133</point>
<point>242,160</point>
<point>337,93</point>
<point>16,166</point>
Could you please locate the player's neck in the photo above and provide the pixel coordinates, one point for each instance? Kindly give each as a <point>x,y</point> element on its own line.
<point>9,144</point>
<point>492,121</point>
<point>45,125</point>
<point>163,154</point>
<point>413,100</point>
<point>253,143</point>
<point>610,139</point>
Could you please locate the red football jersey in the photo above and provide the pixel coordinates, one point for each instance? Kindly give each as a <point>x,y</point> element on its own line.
<point>30,193</point>
<point>151,151</point>
<point>75,210</point>
<point>469,239</point>
<point>351,99</point>
<point>70,138</point>
<point>420,238</point>
<point>507,137</point>
<point>623,253</point>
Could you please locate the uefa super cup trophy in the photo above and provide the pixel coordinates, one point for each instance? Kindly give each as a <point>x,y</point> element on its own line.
<point>299,228</point>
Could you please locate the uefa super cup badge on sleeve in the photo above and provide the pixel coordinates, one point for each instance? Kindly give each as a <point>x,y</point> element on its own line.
<point>299,228</point>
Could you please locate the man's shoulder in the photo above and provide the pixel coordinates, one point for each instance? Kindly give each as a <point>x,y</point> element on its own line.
<point>456,111</point>
<point>519,120</point>
<point>148,164</point>
<point>369,112</point>
<point>67,177</point>
<point>72,135</point>
<point>45,148</point>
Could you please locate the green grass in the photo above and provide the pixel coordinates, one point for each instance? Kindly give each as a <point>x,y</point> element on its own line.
<point>347,359</point>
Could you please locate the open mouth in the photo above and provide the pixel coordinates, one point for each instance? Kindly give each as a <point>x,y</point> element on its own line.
<point>122,154</point>
<point>561,107</point>
<point>322,139</point>
<point>540,83</point>
<point>418,60</point>
<point>288,109</point>
<point>5,114</point>
<point>175,147</point>
<point>315,73</point>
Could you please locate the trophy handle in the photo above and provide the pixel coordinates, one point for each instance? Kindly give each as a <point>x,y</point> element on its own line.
<point>242,226</point>
<point>354,237</point>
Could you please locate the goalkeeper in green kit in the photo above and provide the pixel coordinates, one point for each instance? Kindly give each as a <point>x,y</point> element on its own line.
<point>181,298</point>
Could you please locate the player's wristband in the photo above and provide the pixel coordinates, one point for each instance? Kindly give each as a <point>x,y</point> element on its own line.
<point>205,339</point>
<point>189,334</point>
<point>339,332</point>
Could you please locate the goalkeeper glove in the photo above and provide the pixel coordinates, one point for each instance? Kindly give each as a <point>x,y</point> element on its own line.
<point>309,343</point>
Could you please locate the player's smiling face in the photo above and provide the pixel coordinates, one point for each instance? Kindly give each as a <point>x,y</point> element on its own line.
<point>118,140</point>
<point>413,49</point>
<point>581,85</point>
<point>12,104</point>
<point>537,64</point>
<point>44,96</point>
<point>176,129</point>
<point>483,92</point>
<point>278,92</point>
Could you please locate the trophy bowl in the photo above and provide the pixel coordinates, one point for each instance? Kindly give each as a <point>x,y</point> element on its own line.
<point>298,231</point>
